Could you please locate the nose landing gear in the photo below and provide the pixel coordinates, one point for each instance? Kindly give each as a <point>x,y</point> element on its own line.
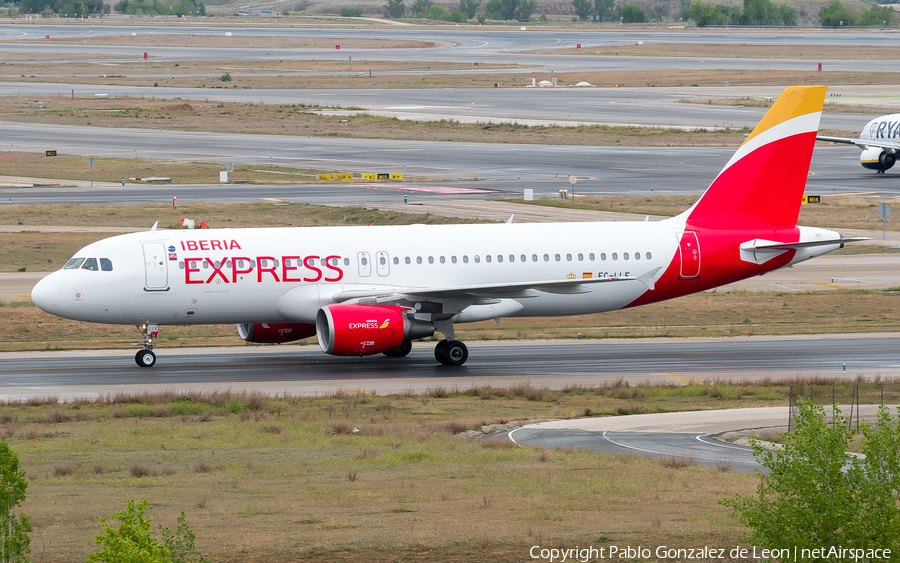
<point>146,358</point>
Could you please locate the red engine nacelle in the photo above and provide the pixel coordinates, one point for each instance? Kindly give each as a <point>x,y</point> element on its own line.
<point>275,333</point>
<point>362,330</point>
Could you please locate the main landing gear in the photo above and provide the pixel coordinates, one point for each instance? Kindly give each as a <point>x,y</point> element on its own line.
<point>451,352</point>
<point>146,358</point>
<point>400,352</point>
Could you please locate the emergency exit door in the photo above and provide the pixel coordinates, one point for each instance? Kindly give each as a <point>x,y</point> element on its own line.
<point>689,249</point>
<point>155,267</point>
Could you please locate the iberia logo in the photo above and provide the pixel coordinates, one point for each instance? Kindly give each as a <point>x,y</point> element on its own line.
<point>385,324</point>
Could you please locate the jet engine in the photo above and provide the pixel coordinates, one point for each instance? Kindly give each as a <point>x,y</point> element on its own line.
<point>275,333</point>
<point>876,158</point>
<point>362,330</point>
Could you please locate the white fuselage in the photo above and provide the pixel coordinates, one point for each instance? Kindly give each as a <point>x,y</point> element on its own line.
<point>278,275</point>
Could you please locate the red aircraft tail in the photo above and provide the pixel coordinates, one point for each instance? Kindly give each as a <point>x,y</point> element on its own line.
<point>763,182</point>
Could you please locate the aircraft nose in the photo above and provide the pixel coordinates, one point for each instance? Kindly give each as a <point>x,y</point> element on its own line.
<point>45,295</point>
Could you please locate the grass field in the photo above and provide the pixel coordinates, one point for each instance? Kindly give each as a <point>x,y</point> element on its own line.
<point>729,51</point>
<point>286,479</point>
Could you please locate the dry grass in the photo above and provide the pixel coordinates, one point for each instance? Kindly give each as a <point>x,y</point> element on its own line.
<point>298,120</point>
<point>404,486</point>
<point>836,212</point>
<point>678,461</point>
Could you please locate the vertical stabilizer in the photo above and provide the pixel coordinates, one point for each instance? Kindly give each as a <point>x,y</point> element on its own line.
<point>763,182</point>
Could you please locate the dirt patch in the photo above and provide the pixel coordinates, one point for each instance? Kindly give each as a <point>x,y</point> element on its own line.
<point>179,107</point>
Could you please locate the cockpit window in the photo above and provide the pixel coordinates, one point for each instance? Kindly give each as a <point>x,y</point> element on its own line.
<point>106,264</point>
<point>73,264</point>
<point>90,264</point>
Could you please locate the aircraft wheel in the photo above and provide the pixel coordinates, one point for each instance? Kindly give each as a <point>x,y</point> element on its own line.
<point>145,358</point>
<point>440,351</point>
<point>400,352</point>
<point>455,354</point>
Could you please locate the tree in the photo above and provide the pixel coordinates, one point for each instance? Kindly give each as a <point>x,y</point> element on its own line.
<point>525,9</point>
<point>876,15</point>
<point>706,13</point>
<point>603,9</point>
<point>817,495</point>
<point>583,8</point>
<point>834,15</point>
<point>350,12</point>
<point>469,7</point>
<point>436,12</point>
<point>420,8</point>
<point>15,543</point>
<point>394,8</point>
<point>632,13</point>
<point>787,15</point>
<point>759,12</point>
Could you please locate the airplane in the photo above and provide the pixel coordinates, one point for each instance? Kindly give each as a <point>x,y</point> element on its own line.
<point>374,289</point>
<point>879,141</point>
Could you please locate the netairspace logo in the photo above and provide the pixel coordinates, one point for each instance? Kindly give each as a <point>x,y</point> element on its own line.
<point>661,553</point>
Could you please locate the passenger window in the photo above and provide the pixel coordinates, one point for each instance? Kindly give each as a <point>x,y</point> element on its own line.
<point>524,258</point>
<point>477,259</point>
<point>396,260</point>
<point>431,259</point>
<point>580,257</point>
<point>453,259</point>
<point>487,258</point>
<point>418,259</point>
<point>382,261</point>
<point>333,262</point>
<point>625,255</point>
<point>90,264</point>
<point>465,259</point>
<point>321,262</point>
<point>364,261</point>
<point>181,264</point>
<point>106,264</point>
<point>73,264</point>
<point>499,258</point>
<point>218,264</point>
<point>512,258</point>
<point>346,261</point>
<point>407,260</point>
<point>615,256</point>
<point>443,261</point>
<point>556,256</point>
<point>591,256</point>
<point>534,257</point>
<point>287,262</point>
<point>546,257</point>
<point>648,256</point>
<point>637,255</point>
<point>603,256</point>
<point>569,257</point>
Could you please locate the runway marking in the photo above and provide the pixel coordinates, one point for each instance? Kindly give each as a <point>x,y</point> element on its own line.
<point>720,444</point>
<point>680,378</point>
<point>608,439</point>
<point>851,193</point>
<point>511,438</point>
<point>430,189</point>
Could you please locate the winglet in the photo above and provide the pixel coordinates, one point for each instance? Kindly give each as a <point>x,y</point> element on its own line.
<point>509,221</point>
<point>153,228</point>
<point>763,182</point>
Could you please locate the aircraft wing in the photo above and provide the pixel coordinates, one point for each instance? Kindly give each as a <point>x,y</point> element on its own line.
<point>864,144</point>
<point>482,291</point>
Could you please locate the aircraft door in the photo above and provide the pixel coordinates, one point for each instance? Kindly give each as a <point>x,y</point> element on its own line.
<point>365,264</point>
<point>689,249</point>
<point>382,263</point>
<point>155,266</point>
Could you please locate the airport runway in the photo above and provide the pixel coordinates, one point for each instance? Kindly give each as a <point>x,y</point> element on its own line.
<point>507,167</point>
<point>555,364</point>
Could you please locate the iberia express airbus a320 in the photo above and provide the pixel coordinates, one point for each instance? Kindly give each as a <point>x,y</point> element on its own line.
<point>371,290</point>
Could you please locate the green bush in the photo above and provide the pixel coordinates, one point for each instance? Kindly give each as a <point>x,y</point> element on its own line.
<point>225,77</point>
<point>816,494</point>
<point>351,12</point>
<point>14,529</point>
